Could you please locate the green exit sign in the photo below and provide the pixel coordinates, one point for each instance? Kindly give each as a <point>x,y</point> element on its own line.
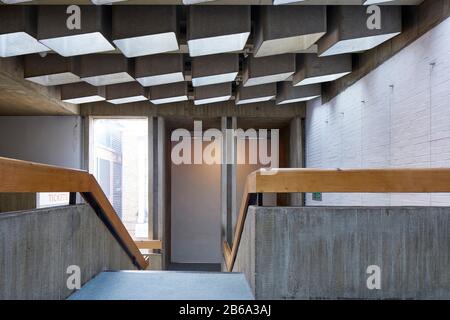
<point>317,196</point>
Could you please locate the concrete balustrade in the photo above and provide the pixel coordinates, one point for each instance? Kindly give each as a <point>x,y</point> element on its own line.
<point>37,247</point>
<point>325,253</point>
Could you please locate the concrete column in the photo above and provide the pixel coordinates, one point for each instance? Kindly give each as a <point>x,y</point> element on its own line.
<point>159,217</point>
<point>228,178</point>
<point>163,182</point>
<point>233,169</point>
<point>296,155</point>
<point>151,175</point>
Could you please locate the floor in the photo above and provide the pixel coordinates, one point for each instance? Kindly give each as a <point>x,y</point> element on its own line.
<point>165,285</point>
<point>205,267</point>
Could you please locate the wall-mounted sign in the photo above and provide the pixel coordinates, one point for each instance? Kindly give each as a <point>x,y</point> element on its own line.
<point>317,196</point>
<point>52,199</point>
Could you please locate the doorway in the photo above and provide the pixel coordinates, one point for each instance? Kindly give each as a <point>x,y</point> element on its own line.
<point>195,216</point>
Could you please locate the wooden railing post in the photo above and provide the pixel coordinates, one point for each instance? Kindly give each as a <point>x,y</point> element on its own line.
<point>73,198</point>
<point>259,199</point>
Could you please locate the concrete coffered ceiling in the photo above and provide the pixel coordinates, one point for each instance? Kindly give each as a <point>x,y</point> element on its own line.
<point>38,82</point>
<point>227,2</point>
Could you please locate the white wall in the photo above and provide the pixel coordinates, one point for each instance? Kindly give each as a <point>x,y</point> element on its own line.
<point>49,140</point>
<point>396,116</point>
<point>195,213</point>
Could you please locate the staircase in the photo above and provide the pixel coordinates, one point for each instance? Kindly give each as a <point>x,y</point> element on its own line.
<point>165,285</point>
<point>91,237</point>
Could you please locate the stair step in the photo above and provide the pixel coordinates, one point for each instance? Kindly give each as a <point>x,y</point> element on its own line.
<point>165,285</point>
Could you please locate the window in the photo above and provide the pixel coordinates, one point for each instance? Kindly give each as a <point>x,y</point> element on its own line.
<point>121,168</point>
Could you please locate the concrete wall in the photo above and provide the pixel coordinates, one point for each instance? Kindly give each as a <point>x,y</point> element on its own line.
<point>195,212</point>
<point>36,247</point>
<point>17,201</point>
<point>51,140</point>
<point>324,253</point>
<point>396,116</point>
<point>296,155</point>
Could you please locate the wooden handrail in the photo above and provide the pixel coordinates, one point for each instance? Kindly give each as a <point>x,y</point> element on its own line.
<point>22,176</point>
<point>149,244</point>
<point>334,181</point>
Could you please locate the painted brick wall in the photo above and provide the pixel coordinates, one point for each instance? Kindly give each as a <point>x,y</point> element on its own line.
<point>396,116</point>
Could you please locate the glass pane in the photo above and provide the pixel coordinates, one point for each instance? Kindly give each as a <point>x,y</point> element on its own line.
<point>121,168</point>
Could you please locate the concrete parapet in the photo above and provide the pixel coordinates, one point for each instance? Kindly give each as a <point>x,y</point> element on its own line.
<point>36,248</point>
<point>325,253</point>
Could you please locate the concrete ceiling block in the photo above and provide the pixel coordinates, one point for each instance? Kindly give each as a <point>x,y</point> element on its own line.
<point>217,29</point>
<point>213,93</point>
<point>159,69</point>
<point>51,70</point>
<point>285,29</point>
<point>168,93</point>
<point>126,93</point>
<point>106,69</point>
<point>145,30</point>
<point>269,69</point>
<point>213,69</point>
<point>265,92</point>
<point>287,93</point>
<point>82,92</point>
<point>349,30</point>
<point>313,69</point>
<point>91,36</point>
<point>18,31</point>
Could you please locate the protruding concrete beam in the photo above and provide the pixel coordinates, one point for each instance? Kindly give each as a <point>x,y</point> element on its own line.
<point>255,94</point>
<point>268,112</point>
<point>169,93</point>
<point>359,28</point>
<point>188,2</point>
<point>312,69</point>
<point>106,1</point>
<point>214,69</point>
<point>287,93</point>
<point>106,69</point>
<point>126,93</point>
<point>82,92</point>
<point>213,93</point>
<point>370,2</point>
<point>217,29</point>
<point>159,69</point>
<point>270,69</point>
<point>224,2</point>
<point>144,30</point>
<point>91,36</point>
<point>21,97</point>
<point>284,29</point>
<point>51,70</point>
<point>15,1</point>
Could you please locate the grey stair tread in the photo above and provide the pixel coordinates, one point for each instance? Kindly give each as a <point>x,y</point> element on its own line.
<point>165,285</point>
